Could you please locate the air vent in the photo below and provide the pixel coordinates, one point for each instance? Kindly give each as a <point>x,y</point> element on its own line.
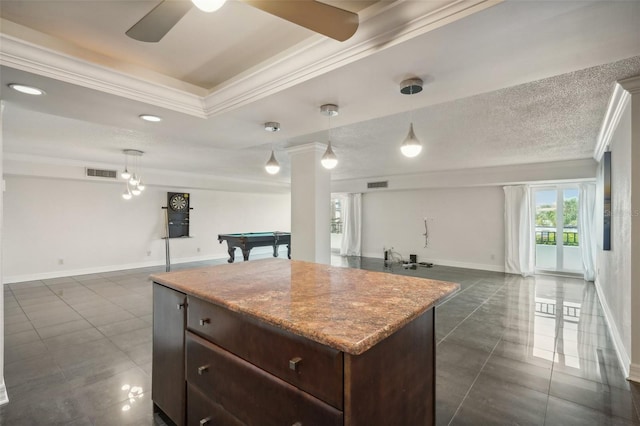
<point>109,174</point>
<point>383,184</point>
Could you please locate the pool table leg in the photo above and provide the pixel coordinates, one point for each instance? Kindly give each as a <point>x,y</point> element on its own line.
<point>232,254</point>
<point>289,251</point>
<point>275,250</point>
<point>245,254</point>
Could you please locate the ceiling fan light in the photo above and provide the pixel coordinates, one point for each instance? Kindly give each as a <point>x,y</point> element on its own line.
<point>411,146</point>
<point>329,159</point>
<point>208,5</point>
<point>272,167</point>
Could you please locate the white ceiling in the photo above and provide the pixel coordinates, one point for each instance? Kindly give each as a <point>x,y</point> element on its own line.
<point>517,82</point>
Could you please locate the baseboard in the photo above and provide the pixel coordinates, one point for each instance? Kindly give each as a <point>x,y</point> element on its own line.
<point>623,356</point>
<point>4,397</point>
<point>634,373</point>
<point>452,263</point>
<point>11,279</point>
<point>99,269</point>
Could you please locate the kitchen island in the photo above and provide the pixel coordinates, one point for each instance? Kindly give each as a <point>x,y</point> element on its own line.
<point>280,342</point>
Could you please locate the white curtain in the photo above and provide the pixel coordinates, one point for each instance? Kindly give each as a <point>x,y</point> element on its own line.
<point>587,229</point>
<point>518,218</point>
<point>352,225</point>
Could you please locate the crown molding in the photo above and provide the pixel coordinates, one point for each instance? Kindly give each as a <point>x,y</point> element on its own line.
<point>617,104</point>
<point>308,147</point>
<point>382,26</point>
<point>631,85</point>
<point>40,60</point>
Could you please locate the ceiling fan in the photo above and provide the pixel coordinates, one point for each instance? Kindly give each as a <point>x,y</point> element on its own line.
<point>322,18</point>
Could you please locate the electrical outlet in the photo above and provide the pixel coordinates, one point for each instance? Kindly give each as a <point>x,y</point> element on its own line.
<point>148,252</point>
<point>60,261</point>
<point>198,249</point>
<point>493,256</point>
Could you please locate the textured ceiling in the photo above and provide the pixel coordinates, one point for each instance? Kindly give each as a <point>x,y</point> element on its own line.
<point>520,82</point>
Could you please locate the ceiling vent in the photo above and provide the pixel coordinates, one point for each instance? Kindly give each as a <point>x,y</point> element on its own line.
<point>383,184</point>
<point>108,174</point>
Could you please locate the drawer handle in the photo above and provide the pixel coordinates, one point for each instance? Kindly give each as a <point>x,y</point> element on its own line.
<point>205,321</point>
<point>294,363</point>
<point>203,369</point>
<point>206,421</point>
<point>181,305</point>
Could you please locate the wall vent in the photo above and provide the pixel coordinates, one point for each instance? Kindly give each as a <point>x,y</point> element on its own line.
<point>383,184</point>
<point>109,174</point>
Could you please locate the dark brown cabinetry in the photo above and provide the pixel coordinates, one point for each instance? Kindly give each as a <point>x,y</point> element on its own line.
<point>168,382</point>
<point>243,371</point>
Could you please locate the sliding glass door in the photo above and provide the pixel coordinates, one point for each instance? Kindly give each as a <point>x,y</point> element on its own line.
<point>556,229</point>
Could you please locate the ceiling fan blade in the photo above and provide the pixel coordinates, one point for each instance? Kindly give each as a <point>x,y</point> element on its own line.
<point>339,24</point>
<point>155,24</point>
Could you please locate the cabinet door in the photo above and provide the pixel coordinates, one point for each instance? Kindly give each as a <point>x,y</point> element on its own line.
<point>168,386</point>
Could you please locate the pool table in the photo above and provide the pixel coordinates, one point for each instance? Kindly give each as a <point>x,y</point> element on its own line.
<point>255,239</point>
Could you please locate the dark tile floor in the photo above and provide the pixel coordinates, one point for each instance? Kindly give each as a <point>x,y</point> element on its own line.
<point>510,351</point>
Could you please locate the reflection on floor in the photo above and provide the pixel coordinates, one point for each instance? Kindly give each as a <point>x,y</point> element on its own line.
<point>510,350</point>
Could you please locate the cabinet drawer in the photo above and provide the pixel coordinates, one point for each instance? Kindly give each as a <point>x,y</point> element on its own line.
<point>253,396</point>
<point>204,412</point>
<point>308,365</point>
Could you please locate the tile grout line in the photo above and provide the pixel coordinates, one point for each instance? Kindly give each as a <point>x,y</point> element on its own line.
<point>474,381</point>
<point>472,312</point>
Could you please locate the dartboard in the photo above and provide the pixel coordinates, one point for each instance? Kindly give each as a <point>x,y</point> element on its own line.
<point>178,202</point>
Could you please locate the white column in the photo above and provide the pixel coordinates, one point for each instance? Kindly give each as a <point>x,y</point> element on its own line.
<point>310,204</point>
<point>3,391</point>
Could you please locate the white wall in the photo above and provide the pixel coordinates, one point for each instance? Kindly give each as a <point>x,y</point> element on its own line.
<point>466,225</point>
<point>614,267</point>
<point>91,228</point>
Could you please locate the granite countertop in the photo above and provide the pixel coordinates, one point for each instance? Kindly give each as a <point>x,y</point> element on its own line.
<point>347,309</point>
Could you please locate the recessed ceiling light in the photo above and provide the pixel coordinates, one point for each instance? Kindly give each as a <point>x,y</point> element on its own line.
<point>29,90</point>
<point>148,117</point>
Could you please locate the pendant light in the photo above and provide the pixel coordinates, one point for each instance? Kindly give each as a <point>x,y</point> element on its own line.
<point>133,180</point>
<point>329,159</point>
<point>411,146</point>
<point>272,167</point>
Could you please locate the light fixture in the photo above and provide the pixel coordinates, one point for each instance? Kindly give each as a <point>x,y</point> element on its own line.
<point>329,159</point>
<point>411,146</point>
<point>272,167</point>
<point>151,118</point>
<point>28,90</point>
<point>133,180</point>
<point>209,5</point>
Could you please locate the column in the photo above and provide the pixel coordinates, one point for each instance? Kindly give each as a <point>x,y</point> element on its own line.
<point>3,391</point>
<point>310,204</point>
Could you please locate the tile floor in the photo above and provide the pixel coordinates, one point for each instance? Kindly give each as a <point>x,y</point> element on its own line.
<point>510,351</point>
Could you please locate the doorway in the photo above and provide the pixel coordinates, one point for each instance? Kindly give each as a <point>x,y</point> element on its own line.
<point>557,246</point>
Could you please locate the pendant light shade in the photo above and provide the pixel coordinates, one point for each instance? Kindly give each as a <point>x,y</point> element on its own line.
<point>208,5</point>
<point>329,159</point>
<point>411,146</point>
<point>127,194</point>
<point>272,167</point>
